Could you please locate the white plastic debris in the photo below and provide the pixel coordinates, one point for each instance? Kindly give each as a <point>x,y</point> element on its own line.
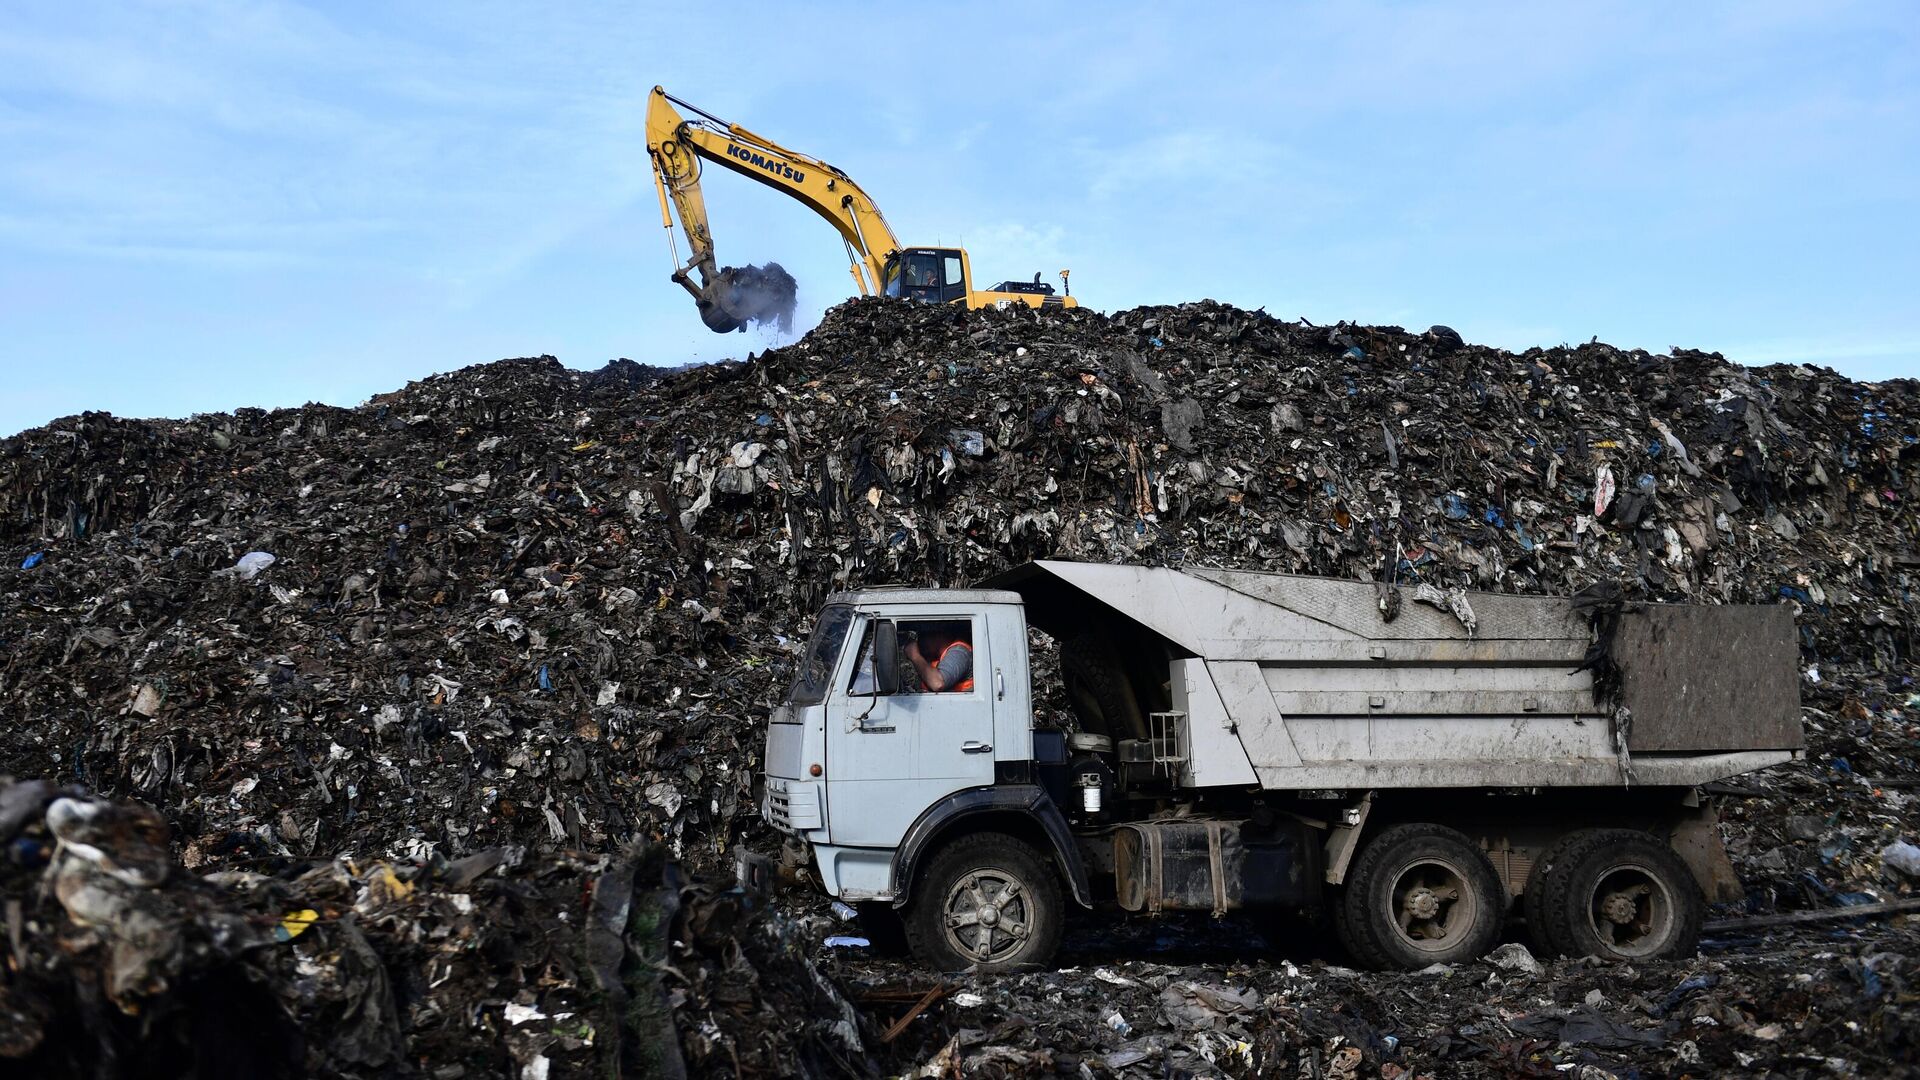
<point>520,1014</point>
<point>249,566</point>
<point>1514,957</point>
<point>1903,857</point>
<point>146,700</point>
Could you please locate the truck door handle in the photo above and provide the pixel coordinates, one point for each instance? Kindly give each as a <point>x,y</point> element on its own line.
<point>975,746</point>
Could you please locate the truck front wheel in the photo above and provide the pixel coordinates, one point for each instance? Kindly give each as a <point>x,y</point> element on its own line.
<point>987,900</point>
<point>1420,894</point>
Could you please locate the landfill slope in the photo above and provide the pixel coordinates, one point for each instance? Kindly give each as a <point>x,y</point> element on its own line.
<point>524,608</point>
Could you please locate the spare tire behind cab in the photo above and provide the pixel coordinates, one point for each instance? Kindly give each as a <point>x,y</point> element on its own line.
<point>1098,690</point>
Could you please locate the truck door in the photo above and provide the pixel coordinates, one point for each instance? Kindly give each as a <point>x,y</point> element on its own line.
<point>953,728</point>
<point>889,758</point>
<point>869,755</point>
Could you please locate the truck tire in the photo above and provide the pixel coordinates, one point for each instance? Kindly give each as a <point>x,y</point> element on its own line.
<point>1420,894</point>
<point>987,901</point>
<point>1098,689</point>
<point>1532,904</point>
<point>1621,894</point>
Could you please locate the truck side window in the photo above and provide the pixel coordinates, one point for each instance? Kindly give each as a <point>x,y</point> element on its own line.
<point>939,654</point>
<point>944,646</point>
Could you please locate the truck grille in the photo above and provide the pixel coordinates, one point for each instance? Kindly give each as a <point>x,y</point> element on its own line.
<point>792,805</point>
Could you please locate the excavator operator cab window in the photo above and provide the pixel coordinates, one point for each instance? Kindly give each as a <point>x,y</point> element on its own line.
<point>954,280</point>
<point>930,276</point>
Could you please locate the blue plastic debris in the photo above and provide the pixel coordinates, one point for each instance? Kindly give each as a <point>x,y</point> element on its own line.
<point>1686,989</point>
<point>546,683</point>
<point>32,560</point>
<point>1835,848</point>
<point>1870,981</point>
<point>1455,506</point>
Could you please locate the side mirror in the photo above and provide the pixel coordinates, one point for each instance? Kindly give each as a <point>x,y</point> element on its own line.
<point>886,658</point>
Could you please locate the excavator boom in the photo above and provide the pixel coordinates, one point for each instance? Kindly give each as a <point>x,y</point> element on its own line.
<point>679,146</point>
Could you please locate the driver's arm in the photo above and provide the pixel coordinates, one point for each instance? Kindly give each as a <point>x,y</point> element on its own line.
<point>929,672</point>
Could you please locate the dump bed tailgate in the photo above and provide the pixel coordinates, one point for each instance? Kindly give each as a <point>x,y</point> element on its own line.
<point>1706,677</point>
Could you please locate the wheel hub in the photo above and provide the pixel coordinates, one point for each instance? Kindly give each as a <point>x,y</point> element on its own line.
<point>1631,910</point>
<point>1618,908</point>
<point>1431,904</point>
<point>987,915</point>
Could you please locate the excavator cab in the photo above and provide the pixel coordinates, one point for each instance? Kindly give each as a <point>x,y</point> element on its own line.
<point>945,275</point>
<point>930,275</point>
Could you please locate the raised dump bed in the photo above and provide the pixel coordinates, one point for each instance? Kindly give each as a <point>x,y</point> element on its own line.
<point>1232,678</point>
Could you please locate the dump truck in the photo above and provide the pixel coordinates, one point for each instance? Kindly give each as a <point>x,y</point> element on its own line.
<point>1413,765</point>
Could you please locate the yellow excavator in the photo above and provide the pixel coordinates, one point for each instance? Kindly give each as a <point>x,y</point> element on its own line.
<point>729,298</point>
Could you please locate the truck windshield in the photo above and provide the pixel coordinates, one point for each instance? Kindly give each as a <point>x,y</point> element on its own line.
<point>810,683</point>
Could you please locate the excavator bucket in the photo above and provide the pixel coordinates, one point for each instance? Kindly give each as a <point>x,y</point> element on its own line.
<point>742,294</point>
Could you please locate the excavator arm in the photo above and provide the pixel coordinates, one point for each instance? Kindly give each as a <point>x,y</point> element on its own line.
<point>732,296</point>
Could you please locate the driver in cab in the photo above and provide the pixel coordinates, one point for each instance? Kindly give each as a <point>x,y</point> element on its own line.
<point>943,658</point>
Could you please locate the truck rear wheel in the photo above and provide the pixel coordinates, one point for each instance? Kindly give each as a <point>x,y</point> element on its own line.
<point>1532,902</point>
<point>1621,894</point>
<point>989,901</point>
<point>1420,894</point>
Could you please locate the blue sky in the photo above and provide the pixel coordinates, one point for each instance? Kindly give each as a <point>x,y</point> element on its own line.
<point>219,204</point>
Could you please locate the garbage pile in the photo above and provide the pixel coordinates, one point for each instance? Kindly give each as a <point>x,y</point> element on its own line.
<point>1211,1008</point>
<point>123,963</point>
<point>523,609</point>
